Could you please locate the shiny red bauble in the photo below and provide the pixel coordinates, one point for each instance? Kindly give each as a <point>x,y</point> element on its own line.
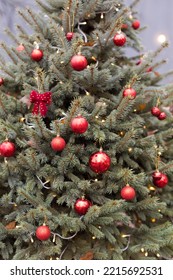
<point>7,149</point>
<point>161,182</point>
<point>155,111</point>
<point>58,144</point>
<point>20,48</point>
<point>79,125</point>
<point>99,162</point>
<point>128,193</point>
<point>1,81</point>
<point>119,39</point>
<point>78,62</point>
<point>82,205</point>
<point>130,93</point>
<point>37,54</point>
<point>69,36</point>
<point>43,232</point>
<point>136,24</point>
<point>157,175</point>
<point>162,116</point>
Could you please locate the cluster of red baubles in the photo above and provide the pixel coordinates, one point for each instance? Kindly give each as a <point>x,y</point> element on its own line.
<point>82,205</point>
<point>155,111</point>
<point>160,179</point>
<point>119,38</point>
<point>79,62</point>
<point>135,24</point>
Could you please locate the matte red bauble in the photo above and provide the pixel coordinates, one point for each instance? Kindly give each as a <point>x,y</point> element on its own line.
<point>161,182</point>
<point>162,116</point>
<point>130,93</point>
<point>37,54</point>
<point>7,149</point>
<point>78,62</point>
<point>79,124</point>
<point>58,144</point>
<point>20,48</point>
<point>99,162</point>
<point>43,232</point>
<point>1,81</point>
<point>136,24</point>
<point>119,39</point>
<point>82,205</point>
<point>155,111</point>
<point>128,193</point>
<point>69,36</point>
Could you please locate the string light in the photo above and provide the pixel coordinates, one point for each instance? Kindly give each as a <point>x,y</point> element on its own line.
<point>158,255</point>
<point>142,250</point>
<point>93,237</point>
<point>103,121</point>
<point>128,242</point>
<point>96,117</point>
<point>153,220</point>
<point>130,150</point>
<point>161,38</point>
<point>121,133</point>
<point>146,254</point>
<point>102,16</point>
<point>22,119</point>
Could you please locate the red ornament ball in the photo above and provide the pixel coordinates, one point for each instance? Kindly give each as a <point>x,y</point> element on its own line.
<point>162,116</point>
<point>79,125</point>
<point>43,232</point>
<point>78,62</point>
<point>99,162</point>
<point>20,48</point>
<point>155,111</point>
<point>119,39</point>
<point>136,24</point>
<point>1,81</point>
<point>157,175</point>
<point>7,149</point>
<point>149,69</point>
<point>124,26</point>
<point>128,193</point>
<point>130,93</point>
<point>82,205</point>
<point>37,54</point>
<point>161,182</point>
<point>69,36</point>
<point>58,144</point>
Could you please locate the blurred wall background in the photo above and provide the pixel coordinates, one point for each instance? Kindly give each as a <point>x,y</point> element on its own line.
<point>155,14</point>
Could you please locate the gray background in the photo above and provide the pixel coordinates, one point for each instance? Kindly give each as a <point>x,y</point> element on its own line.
<point>155,14</point>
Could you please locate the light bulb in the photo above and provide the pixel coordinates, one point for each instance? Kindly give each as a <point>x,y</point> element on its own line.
<point>161,38</point>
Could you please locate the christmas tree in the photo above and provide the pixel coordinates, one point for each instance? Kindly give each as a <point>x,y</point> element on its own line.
<point>86,137</point>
